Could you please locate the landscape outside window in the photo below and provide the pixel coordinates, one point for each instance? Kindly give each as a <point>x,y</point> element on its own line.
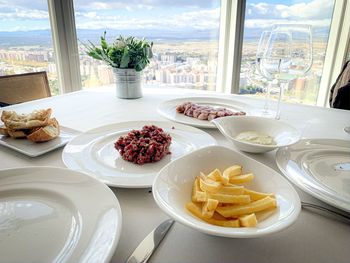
<point>261,15</point>
<point>185,36</point>
<point>25,39</point>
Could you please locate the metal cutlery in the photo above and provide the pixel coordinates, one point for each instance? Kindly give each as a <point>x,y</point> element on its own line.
<point>318,207</point>
<point>147,246</point>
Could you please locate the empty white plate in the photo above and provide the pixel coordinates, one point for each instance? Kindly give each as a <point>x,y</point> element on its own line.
<point>172,189</point>
<point>56,215</point>
<point>168,109</point>
<point>320,167</point>
<point>33,149</point>
<point>93,152</point>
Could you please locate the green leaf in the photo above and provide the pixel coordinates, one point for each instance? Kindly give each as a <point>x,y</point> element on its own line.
<point>124,62</point>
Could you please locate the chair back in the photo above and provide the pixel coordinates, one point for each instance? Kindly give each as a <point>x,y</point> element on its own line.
<point>340,92</point>
<point>23,87</point>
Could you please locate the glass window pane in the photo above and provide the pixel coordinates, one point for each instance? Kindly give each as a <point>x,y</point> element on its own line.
<point>262,16</point>
<point>185,36</point>
<point>25,40</point>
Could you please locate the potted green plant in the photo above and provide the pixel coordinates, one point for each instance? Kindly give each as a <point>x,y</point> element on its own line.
<point>128,57</point>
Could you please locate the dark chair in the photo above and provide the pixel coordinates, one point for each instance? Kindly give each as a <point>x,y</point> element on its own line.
<point>340,92</point>
<point>23,87</point>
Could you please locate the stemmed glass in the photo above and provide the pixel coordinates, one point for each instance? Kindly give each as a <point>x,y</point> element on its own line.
<point>288,55</point>
<point>263,41</point>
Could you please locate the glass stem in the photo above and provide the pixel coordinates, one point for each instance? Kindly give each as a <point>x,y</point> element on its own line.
<point>278,111</point>
<point>267,97</point>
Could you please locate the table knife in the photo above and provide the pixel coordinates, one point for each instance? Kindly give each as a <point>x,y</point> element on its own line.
<point>147,246</point>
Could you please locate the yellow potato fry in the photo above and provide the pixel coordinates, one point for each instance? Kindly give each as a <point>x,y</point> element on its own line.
<point>231,190</point>
<point>230,199</point>
<point>208,207</point>
<point>211,204</point>
<point>254,195</point>
<point>232,171</point>
<point>195,209</point>
<point>197,194</point>
<point>239,179</point>
<point>206,184</point>
<point>248,220</point>
<point>237,210</point>
<point>217,176</point>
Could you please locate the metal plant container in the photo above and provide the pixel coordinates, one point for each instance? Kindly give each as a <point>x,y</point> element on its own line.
<point>128,83</point>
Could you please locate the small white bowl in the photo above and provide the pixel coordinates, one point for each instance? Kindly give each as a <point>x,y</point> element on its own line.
<point>282,133</point>
<point>173,185</point>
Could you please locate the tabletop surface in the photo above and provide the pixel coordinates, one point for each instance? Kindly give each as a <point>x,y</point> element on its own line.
<point>314,237</point>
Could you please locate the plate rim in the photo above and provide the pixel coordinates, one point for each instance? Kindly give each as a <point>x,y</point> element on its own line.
<point>98,183</point>
<point>145,122</point>
<point>292,217</point>
<point>207,125</point>
<point>323,195</point>
<point>72,133</point>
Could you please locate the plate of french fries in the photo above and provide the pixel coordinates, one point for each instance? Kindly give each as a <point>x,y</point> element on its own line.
<point>222,192</point>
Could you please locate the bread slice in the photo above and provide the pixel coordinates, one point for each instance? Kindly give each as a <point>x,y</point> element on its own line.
<point>4,131</point>
<point>16,134</point>
<point>46,133</point>
<point>15,121</point>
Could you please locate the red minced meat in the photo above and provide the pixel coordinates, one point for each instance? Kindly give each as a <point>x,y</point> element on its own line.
<point>148,145</point>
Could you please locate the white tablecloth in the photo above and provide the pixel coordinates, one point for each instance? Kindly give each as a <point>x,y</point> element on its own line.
<point>313,238</point>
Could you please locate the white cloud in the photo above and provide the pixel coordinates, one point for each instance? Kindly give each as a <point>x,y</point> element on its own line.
<point>25,14</point>
<point>315,9</point>
<point>203,19</point>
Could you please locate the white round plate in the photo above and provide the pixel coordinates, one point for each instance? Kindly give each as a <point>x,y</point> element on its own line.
<point>52,214</point>
<point>93,152</point>
<point>173,186</point>
<point>168,109</point>
<point>282,133</point>
<point>320,167</point>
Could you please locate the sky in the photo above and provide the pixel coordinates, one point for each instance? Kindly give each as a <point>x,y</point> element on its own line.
<point>168,15</point>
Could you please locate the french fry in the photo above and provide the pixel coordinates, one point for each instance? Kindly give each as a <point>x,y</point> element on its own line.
<point>197,211</point>
<point>207,184</point>
<point>230,199</point>
<point>248,220</point>
<point>254,195</point>
<point>231,189</point>
<point>217,176</point>
<point>232,171</point>
<point>240,179</point>
<point>208,208</point>
<point>237,210</point>
<point>197,194</point>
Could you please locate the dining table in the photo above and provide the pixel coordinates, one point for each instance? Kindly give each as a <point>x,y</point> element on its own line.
<point>314,237</point>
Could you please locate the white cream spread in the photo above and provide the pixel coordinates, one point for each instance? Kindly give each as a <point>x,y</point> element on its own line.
<point>255,137</point>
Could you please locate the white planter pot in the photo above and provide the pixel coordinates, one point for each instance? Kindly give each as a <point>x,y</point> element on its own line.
<point>128,83</point>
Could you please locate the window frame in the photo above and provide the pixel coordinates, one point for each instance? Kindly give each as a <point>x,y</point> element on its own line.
<point>232,18</point>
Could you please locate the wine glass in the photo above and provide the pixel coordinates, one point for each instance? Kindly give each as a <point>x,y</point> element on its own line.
<point>288,55</point>
<point>263,41</point>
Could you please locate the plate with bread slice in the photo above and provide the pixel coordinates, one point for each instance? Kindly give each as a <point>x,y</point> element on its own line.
<point>33,134</point>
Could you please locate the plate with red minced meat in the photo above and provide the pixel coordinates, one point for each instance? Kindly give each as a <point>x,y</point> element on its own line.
<point>130,154</point>
<point>199,111</point>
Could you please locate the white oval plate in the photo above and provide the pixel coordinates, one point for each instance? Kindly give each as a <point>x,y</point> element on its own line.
<point>52,214</point>
<point>173,186</point>
<point>93,152</point>
<point>320,167</point>
<point>168,109</point>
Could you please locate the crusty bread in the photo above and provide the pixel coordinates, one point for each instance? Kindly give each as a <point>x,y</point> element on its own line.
<point>45,133</point>
<point>16,134</point>
<point>15,121</point>
<point>3,131</point>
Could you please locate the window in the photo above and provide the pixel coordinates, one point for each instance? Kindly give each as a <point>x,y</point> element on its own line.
<point>185,36</point>
<point>25,40</point>
<point>260,16</point>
